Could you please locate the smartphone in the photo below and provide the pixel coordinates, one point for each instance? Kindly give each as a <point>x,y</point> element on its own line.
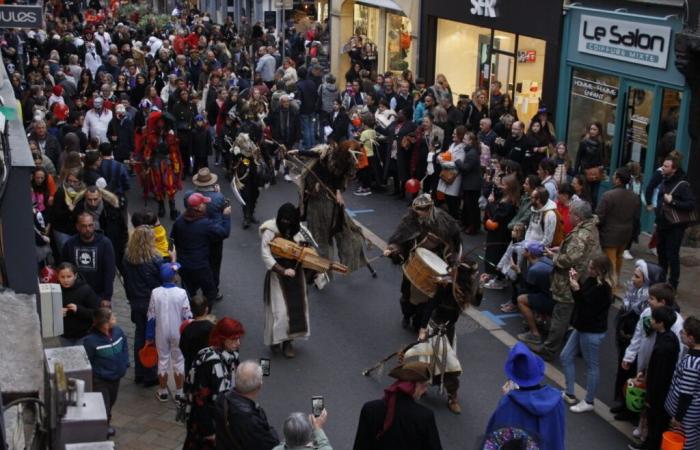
<point>265,366</point>
<point>317,405</point>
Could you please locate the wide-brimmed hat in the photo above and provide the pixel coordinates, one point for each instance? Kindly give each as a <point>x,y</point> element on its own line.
<point>524,367</point>
<point>411,371</point>
<point>204,177</point>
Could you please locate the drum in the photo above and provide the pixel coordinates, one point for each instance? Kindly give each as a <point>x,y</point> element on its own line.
<point>422,270</point>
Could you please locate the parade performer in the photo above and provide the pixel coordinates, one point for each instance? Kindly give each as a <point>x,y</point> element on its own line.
<point>247,179</point>
<point>322,184</point>
<point>286,303</point>
<point>429,227</point>
<point>160,167</point>
<point>454,295</point>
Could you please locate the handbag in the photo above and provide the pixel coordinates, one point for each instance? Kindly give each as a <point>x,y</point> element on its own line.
<point>448,176</point>
<point>594,174</point>
<point>678,216</point>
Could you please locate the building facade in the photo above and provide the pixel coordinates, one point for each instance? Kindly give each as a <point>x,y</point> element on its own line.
<point>390,25</point>
<point>618,69</point>
<point>476,43</point>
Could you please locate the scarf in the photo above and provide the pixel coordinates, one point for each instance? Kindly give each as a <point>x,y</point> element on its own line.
<point>390,393</point>
<point>96,213</point>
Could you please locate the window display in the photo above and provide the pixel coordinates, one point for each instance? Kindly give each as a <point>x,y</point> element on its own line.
<point>593,99</point>
<point>366,22</point>
<point>529,75</point>
<point>398,42</point>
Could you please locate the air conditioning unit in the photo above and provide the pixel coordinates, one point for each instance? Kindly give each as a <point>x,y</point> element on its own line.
<point>51,309</point>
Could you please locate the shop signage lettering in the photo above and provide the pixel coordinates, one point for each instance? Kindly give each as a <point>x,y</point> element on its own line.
<point>638,43</point>
<point>21,16</point>
<point>595,91</point>
<point>486,8</point>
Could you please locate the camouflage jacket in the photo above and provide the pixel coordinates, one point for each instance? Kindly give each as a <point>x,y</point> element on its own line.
<point>578,248</point>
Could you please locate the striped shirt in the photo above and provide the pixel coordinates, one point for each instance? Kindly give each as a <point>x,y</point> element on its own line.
<point>685,386</point>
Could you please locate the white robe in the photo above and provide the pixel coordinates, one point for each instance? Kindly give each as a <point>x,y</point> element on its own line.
<point>276,318</point>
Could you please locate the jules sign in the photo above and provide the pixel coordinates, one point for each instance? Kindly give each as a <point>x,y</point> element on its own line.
<point>634,42</point>
<point>21,16</point>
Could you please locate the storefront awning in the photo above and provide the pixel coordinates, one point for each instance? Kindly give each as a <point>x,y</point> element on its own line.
<point>386,4</point>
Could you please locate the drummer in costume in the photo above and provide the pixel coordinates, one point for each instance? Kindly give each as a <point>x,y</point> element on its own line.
<point>323,182</point>
<point>455,292</point>
<point>286,303</point>
<point>426,227</point>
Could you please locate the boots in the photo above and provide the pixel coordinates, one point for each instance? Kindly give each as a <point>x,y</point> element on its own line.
<point>246,222</point>
<point>161,208</point>
<point>287,349</point>
<point>453,404</point>
<point>173,211</point>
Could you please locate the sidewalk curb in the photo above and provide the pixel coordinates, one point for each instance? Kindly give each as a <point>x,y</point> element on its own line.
<point>600,408</point>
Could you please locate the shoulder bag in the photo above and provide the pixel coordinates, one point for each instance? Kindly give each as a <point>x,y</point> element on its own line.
<point>678,216</point>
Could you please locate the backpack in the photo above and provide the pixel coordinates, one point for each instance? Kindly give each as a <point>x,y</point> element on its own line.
<point>559,234</point>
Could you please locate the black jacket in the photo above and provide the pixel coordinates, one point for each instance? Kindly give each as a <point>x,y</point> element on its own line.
<point>77,324</point>
<point>307,93</point>
<point>241,424</point>
<point>95,262</point>
<point>470,167</point>
<point>590,154</point>
<point>340,124</point>
<point>413,428</point>
<point>194,337</point>
<point>591,304</point>
<point>683,198</point>
<point>661,366</point>
<point>140,280</point>
<point>113,225</point>
<point>287,133</point>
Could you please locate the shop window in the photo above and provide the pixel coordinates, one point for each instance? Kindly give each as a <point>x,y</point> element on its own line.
<point>399,47</point>
<point>366,22</point>
<point>458,48</point>
<point>529,75</point>
<point>593,99</point>
<point>668,124</point>
<point>504,42</point>
<point>637,122</point>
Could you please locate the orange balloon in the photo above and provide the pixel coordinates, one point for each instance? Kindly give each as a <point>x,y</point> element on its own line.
<point>491,225</point>
<point>447,156</point>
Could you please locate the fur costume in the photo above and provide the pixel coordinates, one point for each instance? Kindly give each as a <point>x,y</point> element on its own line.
<point>161,168</point>
<point>412,230</point>
<point>332,168</point>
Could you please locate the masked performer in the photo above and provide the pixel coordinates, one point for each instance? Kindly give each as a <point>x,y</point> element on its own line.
<point>247,175</point>
<point>161,166</point>
<point>423,226</point>
<point>286,304</point>
<point>322,184</point>
<point>454,295</point>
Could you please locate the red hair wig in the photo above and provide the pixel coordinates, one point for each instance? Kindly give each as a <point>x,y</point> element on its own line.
<point>225,328</point>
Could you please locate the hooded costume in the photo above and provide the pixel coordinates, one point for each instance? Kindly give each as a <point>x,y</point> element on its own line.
<point>286,302</point>
<point>531,413</point>
<point>332,168</point>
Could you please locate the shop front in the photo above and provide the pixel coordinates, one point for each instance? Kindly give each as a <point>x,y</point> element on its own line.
<point>386,28</point>
<point>476,44</point>
<point>617,70</point>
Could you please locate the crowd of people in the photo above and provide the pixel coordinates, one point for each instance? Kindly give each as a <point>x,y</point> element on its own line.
<point>110,105</point>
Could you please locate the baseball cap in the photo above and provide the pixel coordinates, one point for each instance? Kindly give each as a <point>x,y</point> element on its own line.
<point>198,117</point>
<point>535,248</point>
<point>168,271</point>
<point>197,199</point>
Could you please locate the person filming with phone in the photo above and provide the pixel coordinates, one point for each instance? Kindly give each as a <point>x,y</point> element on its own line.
<point>304,431</point>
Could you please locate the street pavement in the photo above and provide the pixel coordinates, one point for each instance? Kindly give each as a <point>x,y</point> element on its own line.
<point>355,321</point>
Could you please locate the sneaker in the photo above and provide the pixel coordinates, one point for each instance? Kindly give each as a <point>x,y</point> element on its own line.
<point>494,284</point>
<point>529,337</point>
<point>570,399</point>
<point>582,406</point>
<point>627,255</point>
<point>288,178</point>
<point>362,192</point>
<point>637,432</point>
<point>162,396</point>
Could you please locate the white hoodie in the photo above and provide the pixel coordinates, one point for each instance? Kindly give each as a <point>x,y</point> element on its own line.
<point>535,230</point>
<point>642,344</point>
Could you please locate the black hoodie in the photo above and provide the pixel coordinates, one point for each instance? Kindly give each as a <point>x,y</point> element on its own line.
<point>76,324</point>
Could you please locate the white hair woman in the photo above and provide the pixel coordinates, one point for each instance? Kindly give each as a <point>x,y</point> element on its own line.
<point>302,431</point>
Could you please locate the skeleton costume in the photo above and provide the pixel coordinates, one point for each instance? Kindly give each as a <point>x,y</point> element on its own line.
<point>331,169</point>
<point>286,302</point>
<point>439,233</point>
<point>443,310</point>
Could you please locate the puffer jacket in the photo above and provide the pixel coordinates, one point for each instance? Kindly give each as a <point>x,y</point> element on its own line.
<point>327,94</point>
<point>578,248</point>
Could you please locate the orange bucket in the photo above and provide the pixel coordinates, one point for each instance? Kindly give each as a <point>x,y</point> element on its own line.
<point>148,356</point>
<point>672,440</point>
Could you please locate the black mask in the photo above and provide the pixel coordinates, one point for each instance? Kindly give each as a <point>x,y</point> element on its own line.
<point>288,220</point>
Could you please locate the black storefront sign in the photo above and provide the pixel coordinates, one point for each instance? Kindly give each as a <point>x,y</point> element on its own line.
<point>21,16</point>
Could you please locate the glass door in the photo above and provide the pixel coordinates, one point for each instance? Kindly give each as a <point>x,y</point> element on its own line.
<point>503,71</point>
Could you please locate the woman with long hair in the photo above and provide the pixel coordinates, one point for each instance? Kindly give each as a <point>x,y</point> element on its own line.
<point>139,90</point>
<point>141,266</point>
<point>85,85</point>
<point>43,189</point>
<point>581,190</point>
<point>209,378</point>
<point>592,299</point>
<point>589,159</point>
<point>470,168</point>
<point>502,206</point>
<point>122,85</point>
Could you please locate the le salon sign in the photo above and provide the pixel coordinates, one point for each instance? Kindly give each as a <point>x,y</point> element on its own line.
<point>633,42</point>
